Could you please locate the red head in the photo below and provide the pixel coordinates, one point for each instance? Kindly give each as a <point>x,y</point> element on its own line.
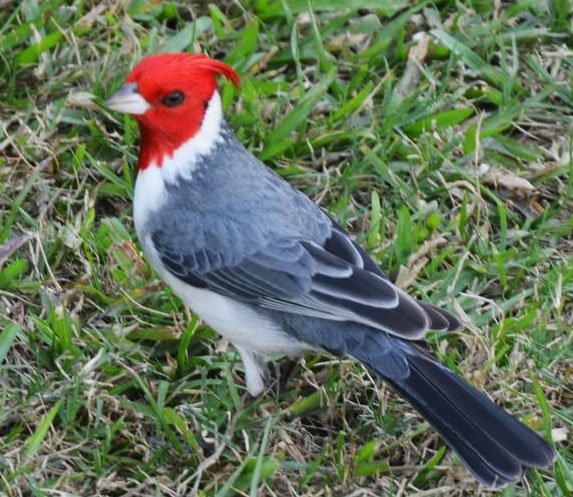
<point>168,95</point>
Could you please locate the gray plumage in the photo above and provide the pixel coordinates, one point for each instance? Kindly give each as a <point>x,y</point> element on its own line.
<point>239,229</point>
<point>271,271</point>
<point>235,228</point>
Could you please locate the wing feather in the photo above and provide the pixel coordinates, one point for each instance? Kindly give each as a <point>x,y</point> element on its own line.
<point>334,280</point>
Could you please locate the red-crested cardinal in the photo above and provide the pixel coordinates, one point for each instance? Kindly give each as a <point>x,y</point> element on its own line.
<point>274,274</point>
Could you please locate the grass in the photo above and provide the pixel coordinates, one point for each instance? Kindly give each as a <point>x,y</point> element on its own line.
<point>438,133</point>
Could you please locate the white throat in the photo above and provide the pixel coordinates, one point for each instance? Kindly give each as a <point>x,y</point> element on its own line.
<point>150,195</point>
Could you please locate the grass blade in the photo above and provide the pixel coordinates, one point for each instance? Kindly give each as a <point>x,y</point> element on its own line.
<point>35,440</point>
<point>279,139</point>
<point>471,58</point>
<point>6,338</point>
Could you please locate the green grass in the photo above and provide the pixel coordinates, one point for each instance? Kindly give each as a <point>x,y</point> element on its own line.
<point>447,154</point>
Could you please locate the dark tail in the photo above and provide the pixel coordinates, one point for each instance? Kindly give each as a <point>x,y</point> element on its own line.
<point>494,445</point>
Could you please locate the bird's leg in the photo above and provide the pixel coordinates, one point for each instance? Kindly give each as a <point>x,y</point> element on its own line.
<point>284,373</point>
<point>257,373</point>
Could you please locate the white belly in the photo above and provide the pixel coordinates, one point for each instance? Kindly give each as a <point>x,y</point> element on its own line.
<point>237,322</point>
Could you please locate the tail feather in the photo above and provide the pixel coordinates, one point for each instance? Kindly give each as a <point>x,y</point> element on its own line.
<point>494,445</point>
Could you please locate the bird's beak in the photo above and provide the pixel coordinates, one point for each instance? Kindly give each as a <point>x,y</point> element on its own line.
<point>128,100</point>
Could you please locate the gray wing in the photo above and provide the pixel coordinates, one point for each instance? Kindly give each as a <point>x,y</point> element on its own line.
<point>333,280</point>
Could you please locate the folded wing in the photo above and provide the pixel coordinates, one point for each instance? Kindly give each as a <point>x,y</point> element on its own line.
<point>333,280</point>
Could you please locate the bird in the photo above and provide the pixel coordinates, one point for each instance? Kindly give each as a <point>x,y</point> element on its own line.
<point>275,274</point>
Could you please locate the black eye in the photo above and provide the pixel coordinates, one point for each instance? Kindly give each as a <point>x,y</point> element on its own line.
<point>173,99</point>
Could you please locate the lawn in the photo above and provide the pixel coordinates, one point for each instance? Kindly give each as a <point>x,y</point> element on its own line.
<point>439,134</point>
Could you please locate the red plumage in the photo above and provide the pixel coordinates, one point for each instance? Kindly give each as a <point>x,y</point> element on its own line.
<point>165,129</point>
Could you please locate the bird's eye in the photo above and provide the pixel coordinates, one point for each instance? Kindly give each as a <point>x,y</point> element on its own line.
<point>173,99</point>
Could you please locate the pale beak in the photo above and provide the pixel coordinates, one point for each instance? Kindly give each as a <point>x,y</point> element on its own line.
<point>128,100</point>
